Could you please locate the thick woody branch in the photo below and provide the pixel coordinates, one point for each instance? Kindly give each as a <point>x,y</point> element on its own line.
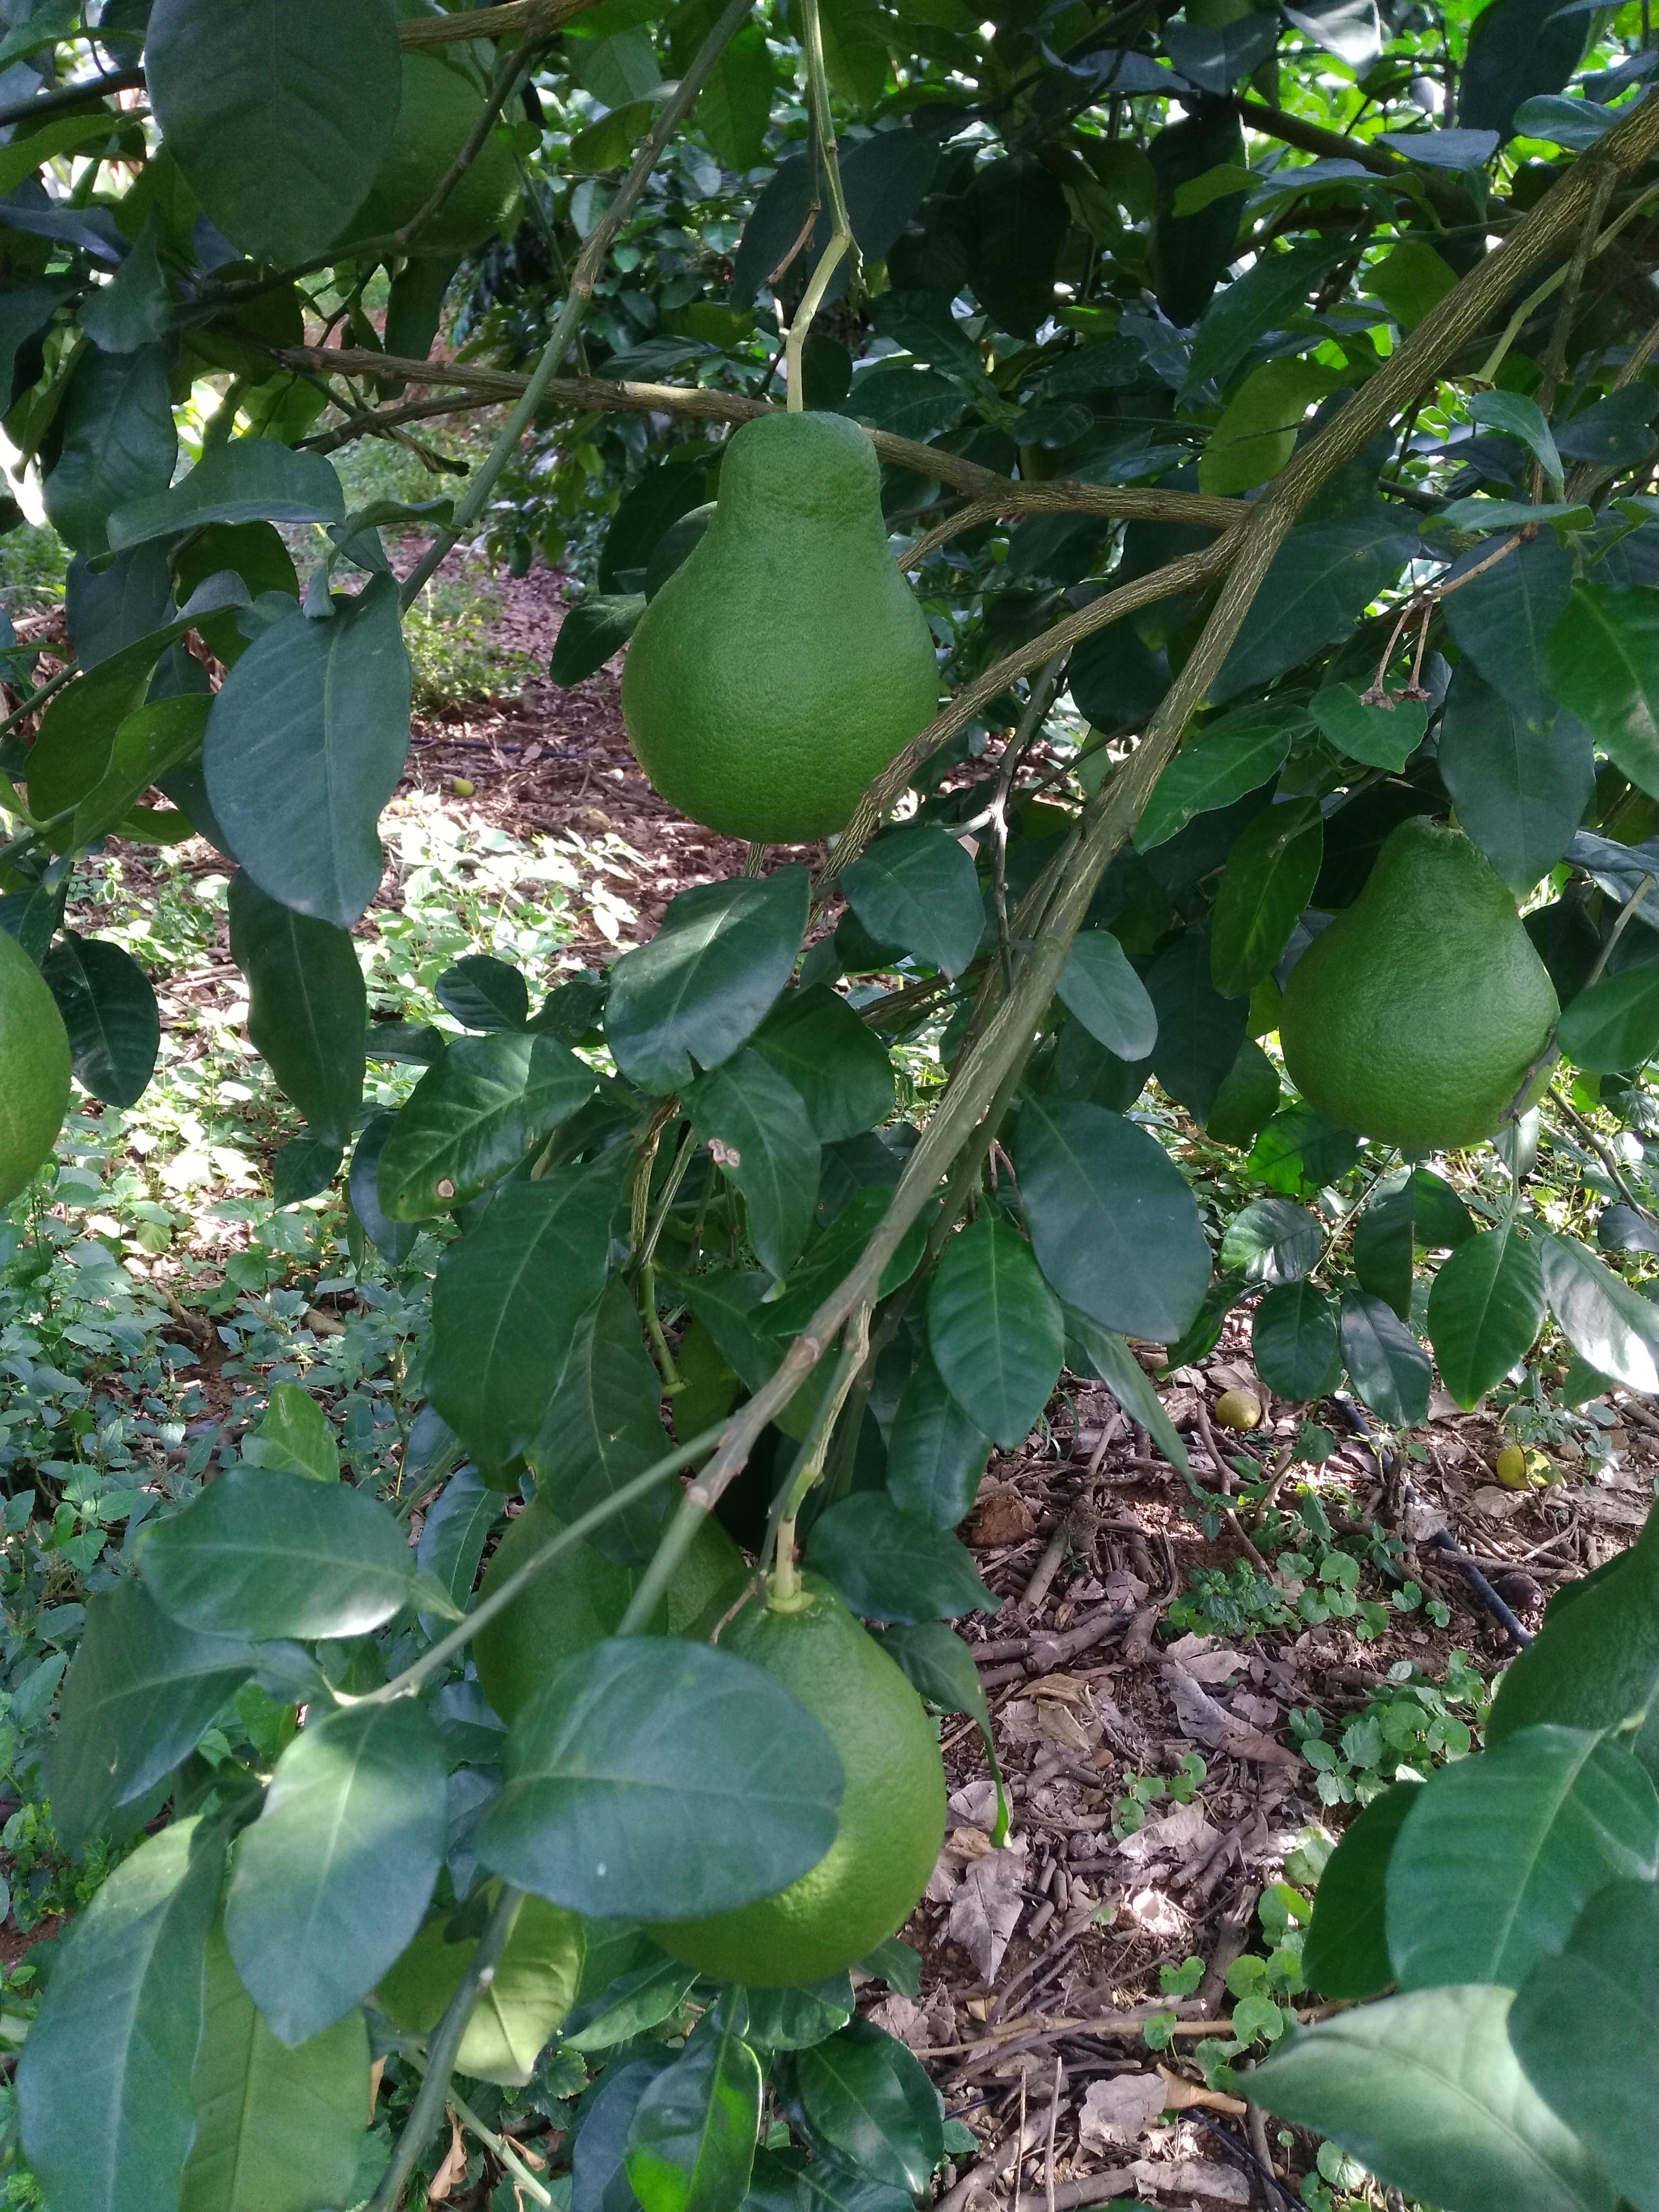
<point>523,19</point>
<point>577,394</point>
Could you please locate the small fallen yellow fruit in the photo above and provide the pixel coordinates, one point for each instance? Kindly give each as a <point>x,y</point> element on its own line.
<point>462,786</point>
<point>1238,1409</point>
<point>1516,1468</point>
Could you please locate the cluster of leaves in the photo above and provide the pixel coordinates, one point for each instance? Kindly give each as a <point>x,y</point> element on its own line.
<point>682,1178</point>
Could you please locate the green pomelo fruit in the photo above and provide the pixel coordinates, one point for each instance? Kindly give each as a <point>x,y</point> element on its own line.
<point>1421,1013</point>
<point>533,1987</point>
<point>892,1813</point>
<point>34,1069</point>
<point>439,111</point>
<point>786,661</point>
<point>579,1598</point>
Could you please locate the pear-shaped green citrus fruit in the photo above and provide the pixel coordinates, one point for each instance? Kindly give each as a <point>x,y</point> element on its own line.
<point>34,1069</point>
<point>786,661</point>
<point>437,113</point>
<point>579,1598</point>
<point>892,1813</point>
<point>1422,1012</point>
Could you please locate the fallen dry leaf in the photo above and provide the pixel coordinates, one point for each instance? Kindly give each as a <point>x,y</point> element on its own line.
<point>986,1908</point>
<point>1120,2108</point>
<point>454,2168</point>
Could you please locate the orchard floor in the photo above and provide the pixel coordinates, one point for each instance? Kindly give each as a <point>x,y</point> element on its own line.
<point>1163,1807</point>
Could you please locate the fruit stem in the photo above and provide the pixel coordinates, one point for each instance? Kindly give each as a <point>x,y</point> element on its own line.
<point>783,1586</point>
<point>842,241</point>
<point>1626,914</point>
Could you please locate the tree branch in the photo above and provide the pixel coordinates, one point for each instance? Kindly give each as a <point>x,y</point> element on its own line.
<point>522,19</point>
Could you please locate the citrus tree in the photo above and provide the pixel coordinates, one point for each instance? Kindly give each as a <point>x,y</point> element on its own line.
<point>1248,416</point>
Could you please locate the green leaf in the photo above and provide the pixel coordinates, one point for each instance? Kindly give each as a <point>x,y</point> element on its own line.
<point>453,1534</point>
<point>73,750</point>
<point>1606,1323</point>
<point>1113,1220</point>
<point>1414,1209</point>
<point>532,1990</point>
<point>1512,415</point>
<point>307,1005</point>
<point>1381,735</point>
<point>1595,1663</point>
<point>294,1436</point>
<point>699,990</point>
<point>484,992</point>
<point>603,1427</point>
<point>834,1059</point>
<point>1199,1030</point>
<point>888,1565</point>
<point>1269,879</point>
<point>109,1011</point>
<point>1344,1953</point>
<point>868,2097</point>
<point>305,745</point>
<point>935,1453</point>
<point>104,2082</point>
<point>1272,1241</point>
<point>328,1886</point>
<point>691,2139</point>
<point>1615,1024</point>
<point>1484,1311</point>
<point>1582,2026</point>
<point>1602,661</point>
<point>1107,1357</point>
<point>261,1554</point>
<point>793,2018</point>
<point>1520,784</point>
<point>243,480</point>
<point>735,105</point>
<point>506,1304</point>
<point>994,1329</point>
<point>632,2002</point>
<point>1501,1852</point>
<point>1322,578</point>
<point>139,1695</point>
<point>638,1742</point>
<point>598,626</point>
<point>277,2130</point>
<point>119,442</point>
<point>473,1116</point>
<point>280,150</point>
<point>1261,301</point>
<point>1293,1340</point>
<point>1386,1364</point>
<point>1102,990</point>
<point>1257,433</point>
<point>755,1123</point>
<point>1500,618</point>
<point>1424,2091</point>
<point>1222,761</point>
<point>147,745</point>
<point>394,1239</point>
<point>915,888</point>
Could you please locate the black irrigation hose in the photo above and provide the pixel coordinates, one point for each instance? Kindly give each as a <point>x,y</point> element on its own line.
<point>1517,1631</point>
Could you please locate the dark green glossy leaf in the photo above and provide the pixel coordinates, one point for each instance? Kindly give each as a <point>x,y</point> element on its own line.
<point>1380,735</point>
<point>1294,1340</point>
<point>1344,1953</point>
<point>1412,1209</point>
<point>1595,1664</point>
<point>1017,220</point>
<point>834,1059</point>
<point>395,1240</point>
<point>506,1304</point>
<point>1113,1220</point>
<point>888,1565</point>
<point>1424,2091</point>
<point>104,2083</point>
<point>307,1005</point>
<point>865,2095</point>
<point>1107,1357</point>
<point>1222,761</point>
<point>139,1697</point>
<point>915,888</point>
<point>691,2139</point>
<point>994,1329</point>
<point>280,151</point>
<point>1602,1318</point>
<point>603,1427</point>
<point>119,443</point>
<point>1100,987</point>
<point>474,1115</point>
<point>243,480</point>
<point>277,2130</point>
<point>1519,785</point>
<point>1269,879</point>
<point>305,745</point>
<point>1615,1024</point>
<point>72,754</point>
<point>1518,50</point>
<point>935,1453</point>
<point>1583,2029</point>
<point>1386,1364</point>
<point>1501,617</point>
<point>1484,1311</point>
<point>793,2018</point>
<point>699,990</point>
<point>1264,299</point>
<point>457,1526</point>
<point>148,746</point>
<point>1199,1030</point>
<point>598,625</point>
<point>262,1554</point>
<point>330,1883</point>
<point>109,1009</point>
<point>1601,662</point>
<point>484,993</point>
<point>757,1124</point>
<point>634,1744</point>
<point>1272,1241</point>
<point>1247,1099</point>
<point>1500,1853</point>
<point>1323,577</point>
